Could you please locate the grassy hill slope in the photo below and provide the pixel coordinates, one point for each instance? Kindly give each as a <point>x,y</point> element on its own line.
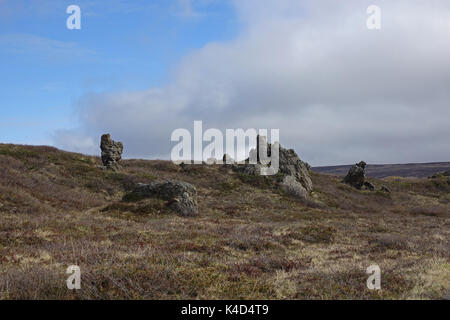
<point>249,240</point>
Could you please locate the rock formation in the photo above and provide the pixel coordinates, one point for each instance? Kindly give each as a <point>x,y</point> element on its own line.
<point>356,175</point>
<point>291,165</point>
<point>181,196</point>
<point>295,174</point>
<point>294,188</point>
<point>369,186</point>
<point>111,152</point>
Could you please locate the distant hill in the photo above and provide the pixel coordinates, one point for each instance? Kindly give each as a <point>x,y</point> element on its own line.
<point>419,170</point>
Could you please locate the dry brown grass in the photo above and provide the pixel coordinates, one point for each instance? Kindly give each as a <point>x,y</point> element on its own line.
<point>250,241</point>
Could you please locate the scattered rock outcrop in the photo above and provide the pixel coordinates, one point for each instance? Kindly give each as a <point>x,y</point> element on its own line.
<point>369,186</point>
<point>291,165</point>
<point>356,175</point>
<point>294,188</point>
<point>111,152</point>
<point>296,179</point>
<point>181,196</point>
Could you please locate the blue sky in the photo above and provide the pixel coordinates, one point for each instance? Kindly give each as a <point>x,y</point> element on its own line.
<point>126,45</point>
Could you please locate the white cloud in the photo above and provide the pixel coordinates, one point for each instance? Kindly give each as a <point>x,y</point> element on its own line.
<point>338,92</point>
<point>75,141</point>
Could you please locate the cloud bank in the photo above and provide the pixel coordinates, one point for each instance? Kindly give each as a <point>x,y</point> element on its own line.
<point>338,92</point>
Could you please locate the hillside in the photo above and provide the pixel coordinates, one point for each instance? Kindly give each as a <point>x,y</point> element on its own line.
<point>417,170</point>
<point>249,240</point>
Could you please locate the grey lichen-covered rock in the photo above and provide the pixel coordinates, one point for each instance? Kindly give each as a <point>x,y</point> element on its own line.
<point>181,196</point>
<point>289,163</point>
<point>356,175</point>
<point>294,188</point>
<point>369,186</point>
<point>185,205</point>
<point>111,152</point>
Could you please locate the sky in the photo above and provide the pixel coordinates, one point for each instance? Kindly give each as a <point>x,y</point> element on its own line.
<point>139,69</point>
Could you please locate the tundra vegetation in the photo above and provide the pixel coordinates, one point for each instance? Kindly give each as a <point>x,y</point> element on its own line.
<point>249,239</point>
